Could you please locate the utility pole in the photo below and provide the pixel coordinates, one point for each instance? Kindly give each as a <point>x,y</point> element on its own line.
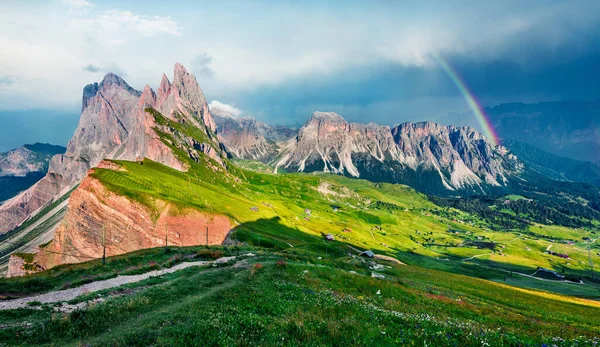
<point>166,237</point>
<point>103,244</point>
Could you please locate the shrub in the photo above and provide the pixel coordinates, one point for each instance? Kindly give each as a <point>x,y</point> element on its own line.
<point>281,264</point>
<point>209,254</point>
<point>255,268</point>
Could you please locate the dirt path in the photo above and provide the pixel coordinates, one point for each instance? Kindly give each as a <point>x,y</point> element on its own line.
<point>477,256</point>
<point>541,279</point>
<point>70,294</point>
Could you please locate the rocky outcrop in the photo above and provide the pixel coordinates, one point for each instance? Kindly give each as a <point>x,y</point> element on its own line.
<point>27,159</point>
<point>114,124</point>
<point>247,138</point>
<point>21,168</point>
<point>98,217</point>
<point>461,158</point>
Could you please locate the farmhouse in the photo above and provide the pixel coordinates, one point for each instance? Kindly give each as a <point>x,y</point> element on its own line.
<point>329,237</point>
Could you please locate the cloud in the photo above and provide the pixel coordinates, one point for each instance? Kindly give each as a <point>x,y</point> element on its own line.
<point>92,68</point>
<point>224,110</point>
<point>77,7</point>
<point>110,68</point>
<point>56,53</point>
<point>200,65</point>
<point>116,20</point>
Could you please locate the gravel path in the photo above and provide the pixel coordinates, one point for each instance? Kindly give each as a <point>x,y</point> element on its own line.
<point>70,294</point>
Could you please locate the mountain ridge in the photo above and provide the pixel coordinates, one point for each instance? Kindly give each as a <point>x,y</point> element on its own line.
<point>115,124</point>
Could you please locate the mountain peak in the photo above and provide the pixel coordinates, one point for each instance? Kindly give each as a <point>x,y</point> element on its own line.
<point>330,117</point>
<point>180,70</point>
<point>112,78</point>
<point>109,81</point>
<point>148,97</point>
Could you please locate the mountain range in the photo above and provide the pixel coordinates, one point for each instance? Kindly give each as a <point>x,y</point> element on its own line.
<point>114,124</point>
<point>175,128</point>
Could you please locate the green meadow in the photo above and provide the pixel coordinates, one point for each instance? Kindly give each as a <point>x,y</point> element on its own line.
<point>294,210</point>
<point>299,298</point>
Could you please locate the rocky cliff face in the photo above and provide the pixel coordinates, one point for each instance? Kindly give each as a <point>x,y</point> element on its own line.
<point>412,153</point>
<point>98,217</point>
<point>247,138</point>
<point>115,124</point>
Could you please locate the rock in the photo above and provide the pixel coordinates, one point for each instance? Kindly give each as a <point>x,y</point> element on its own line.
<point>96,214</point>
<point>246,138</point>
<point>114,124</point>
<point>428,156</point>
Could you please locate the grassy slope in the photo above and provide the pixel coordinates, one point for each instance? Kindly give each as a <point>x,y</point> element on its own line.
<point>407,226</point>
<point>292,299</point>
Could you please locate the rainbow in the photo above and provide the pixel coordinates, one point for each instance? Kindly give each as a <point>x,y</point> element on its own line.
<point>482,118</point>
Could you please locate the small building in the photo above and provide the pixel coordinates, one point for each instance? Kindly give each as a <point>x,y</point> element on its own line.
<point>368,254</point>
<point>254,208</point>
<point>307,211</point>
<point>329,237</point>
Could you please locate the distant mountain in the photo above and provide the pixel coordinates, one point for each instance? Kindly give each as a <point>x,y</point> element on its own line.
<point>247,138</point>
<point>568,129</point>
<point>22,167</point>
<point>554,166</point>
<point>432,158</point>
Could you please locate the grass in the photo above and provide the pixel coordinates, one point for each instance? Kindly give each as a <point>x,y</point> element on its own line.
<point>296,299</point>
<point>389,219</point>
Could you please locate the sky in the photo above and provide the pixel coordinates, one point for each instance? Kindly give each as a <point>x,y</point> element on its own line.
<point>281,61</point>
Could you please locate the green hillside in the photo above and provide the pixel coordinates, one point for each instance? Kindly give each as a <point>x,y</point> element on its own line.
<point>288,298</point>
<point>293,211</point>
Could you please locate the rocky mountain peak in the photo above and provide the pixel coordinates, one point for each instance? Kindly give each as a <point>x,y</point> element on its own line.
<point>89,92</point>
<point>327,117</point>
<point>185,97</point>
<point>187,87</point>
<point>462,158</point>
<point>111,80</point>
<point>165,88</point>
<point>114,124</point>
<point>148,98</point>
